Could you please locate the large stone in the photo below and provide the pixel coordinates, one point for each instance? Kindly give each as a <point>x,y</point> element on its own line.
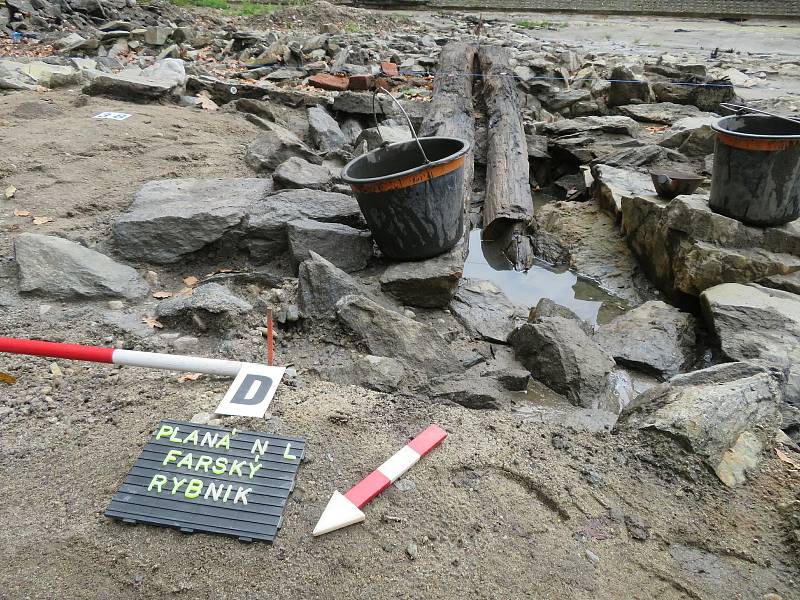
<point>374,137</point>
<point>558,353</point>
<point>686,248</point>
<point>208,301</point>
<point>628,85</point>
<point>378,373</point>
<point>274,146</point>
<point>296,172</point>
<point>172,218</point>
<point>265,226</point>
<point>346,247</point>
<point>691,136</point>
<point>325,131</point>
<point>485,310</point>
<point>700,265</point>
<point>129,87</point>
<point>613,124</point>
<point>611,185</point>
<point>653,337</point>
<point>56,267</point>
<point>320,286</point>
<point>14,79</point>
<point>640,155</point>
<point>664,113</point>
<point>757,324</point>
<point>387,333</point>
<point>723,415</point>
<point>168,70</point>
<point>427,283</point>
<point>480,393</point>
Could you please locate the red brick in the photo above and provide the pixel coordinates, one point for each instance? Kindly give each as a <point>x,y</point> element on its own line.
<point>390,69</point>
<point>326,81</point>
<point>361,82</point>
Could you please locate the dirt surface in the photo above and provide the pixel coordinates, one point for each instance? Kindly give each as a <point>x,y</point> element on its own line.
<point>507,507</point>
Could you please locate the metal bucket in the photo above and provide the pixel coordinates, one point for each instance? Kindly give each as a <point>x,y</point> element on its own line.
<point>411,193</point>
<point>756,174</point>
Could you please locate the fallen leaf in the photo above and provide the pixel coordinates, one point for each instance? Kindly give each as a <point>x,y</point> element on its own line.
<point>161,295</point>
<point>787,459</point>
<point>189,377</point>
<point>190,281</point>
<point>10,191</point>
<point>152,322</point>
<point>21,213</point>
<point>185,292</point>
<point>42,220</point>
<point>6,378</point>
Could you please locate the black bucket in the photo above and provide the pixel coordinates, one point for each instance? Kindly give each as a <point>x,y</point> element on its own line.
<point>756,175</point>
<point>414,207</point>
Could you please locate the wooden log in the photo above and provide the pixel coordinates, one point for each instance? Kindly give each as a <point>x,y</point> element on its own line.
<point>451,112</point>
<point>508,206</point>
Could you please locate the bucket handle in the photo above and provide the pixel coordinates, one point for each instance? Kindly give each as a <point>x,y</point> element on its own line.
<point>739,110</point>
<point>379,89</point>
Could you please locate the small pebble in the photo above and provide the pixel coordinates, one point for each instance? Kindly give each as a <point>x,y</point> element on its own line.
<point>116,304</point>
<point>412,550</point>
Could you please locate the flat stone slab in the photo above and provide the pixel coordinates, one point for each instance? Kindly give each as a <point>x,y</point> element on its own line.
<point>663,113</point>
<point>654,337</point>
<point>485,310</point>
<point>172,218</point>
<point>348,248</point>
<point>128,87</point>
<point>427,283</point>
<point>611,185</point>
<point>59,268</point>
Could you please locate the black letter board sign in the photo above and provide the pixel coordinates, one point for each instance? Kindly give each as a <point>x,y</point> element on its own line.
<point>211,480</point>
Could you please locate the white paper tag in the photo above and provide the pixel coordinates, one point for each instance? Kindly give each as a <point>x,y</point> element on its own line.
<point>251,392</point>
<point>112,115</point>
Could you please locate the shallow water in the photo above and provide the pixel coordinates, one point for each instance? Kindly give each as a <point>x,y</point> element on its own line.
<point>580,294</point>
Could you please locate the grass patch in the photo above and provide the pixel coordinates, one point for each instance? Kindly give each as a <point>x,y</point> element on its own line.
<point>527,24</point>
<point>241,9</point>
<point>351,27</point>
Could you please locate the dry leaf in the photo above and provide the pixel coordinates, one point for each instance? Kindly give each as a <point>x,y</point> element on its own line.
<point>42,220</point>
<point>185,292</point>
<point>787,459</point>
<point>189,377</point>
<point>191,281</point>
<point>21,213</point>
<point>6,378</point>
<point>161,295</point>
<point>152,322</point>
<point>10,191</point>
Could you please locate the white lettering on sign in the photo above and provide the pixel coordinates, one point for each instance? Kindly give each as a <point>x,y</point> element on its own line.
<point>251,392</point>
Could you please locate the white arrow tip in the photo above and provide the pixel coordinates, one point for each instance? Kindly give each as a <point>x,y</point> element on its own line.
<point>339,513</point>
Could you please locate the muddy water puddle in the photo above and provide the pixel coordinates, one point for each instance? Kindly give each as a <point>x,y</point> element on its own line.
<point>581,295</point>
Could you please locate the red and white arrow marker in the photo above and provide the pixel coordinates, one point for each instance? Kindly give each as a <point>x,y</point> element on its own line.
<point>345,509</point>
<point>153,360</point>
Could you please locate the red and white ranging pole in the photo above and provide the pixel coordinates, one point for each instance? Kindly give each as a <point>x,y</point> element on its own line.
<point>345,509</point>
<point>131,358</point>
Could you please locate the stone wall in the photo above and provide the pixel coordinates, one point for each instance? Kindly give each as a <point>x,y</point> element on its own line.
<point>702,8</point>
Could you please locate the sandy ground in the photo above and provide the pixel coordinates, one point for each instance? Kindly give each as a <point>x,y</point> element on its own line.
<point>506,508</point>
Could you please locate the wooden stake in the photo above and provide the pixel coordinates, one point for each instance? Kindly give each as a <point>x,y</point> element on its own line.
<point>269,337</point>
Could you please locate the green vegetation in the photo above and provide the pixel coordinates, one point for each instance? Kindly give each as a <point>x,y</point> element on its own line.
<point>540,24</point>
<point>351,27</point>
<point>245,8</point>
